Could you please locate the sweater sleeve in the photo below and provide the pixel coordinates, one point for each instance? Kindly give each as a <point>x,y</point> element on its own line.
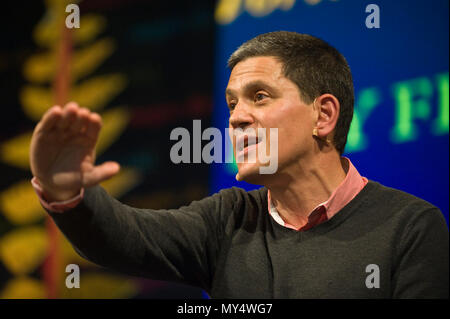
<point>422,266</point>
<point>175,245</point>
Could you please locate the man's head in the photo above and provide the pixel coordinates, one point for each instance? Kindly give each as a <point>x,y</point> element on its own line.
<point>282,79</point>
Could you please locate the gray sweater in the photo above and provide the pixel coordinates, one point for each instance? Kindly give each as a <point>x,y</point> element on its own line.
<point>385,243</point>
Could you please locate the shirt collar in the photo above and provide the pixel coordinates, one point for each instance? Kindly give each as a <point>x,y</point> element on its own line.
<point>352,184</point>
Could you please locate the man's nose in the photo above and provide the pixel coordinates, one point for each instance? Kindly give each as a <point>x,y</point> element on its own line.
<point>241,116</point>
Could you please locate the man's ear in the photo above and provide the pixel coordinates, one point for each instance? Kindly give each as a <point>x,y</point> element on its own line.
<point>327,108</point>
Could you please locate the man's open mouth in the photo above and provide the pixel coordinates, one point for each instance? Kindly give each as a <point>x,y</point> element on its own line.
<point>246,144</point>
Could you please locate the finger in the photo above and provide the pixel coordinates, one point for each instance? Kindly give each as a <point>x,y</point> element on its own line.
<point>69,115</point>
<point>72,105</point>
<point>50,118</point>
<point>100,173</point>
<point>94,126</point>
<point>81,121</point>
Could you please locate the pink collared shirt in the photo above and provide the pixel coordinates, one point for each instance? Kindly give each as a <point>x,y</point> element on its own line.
<point>342,195</point>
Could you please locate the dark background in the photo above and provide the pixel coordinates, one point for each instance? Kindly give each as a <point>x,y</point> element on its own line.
<point>165,51</point>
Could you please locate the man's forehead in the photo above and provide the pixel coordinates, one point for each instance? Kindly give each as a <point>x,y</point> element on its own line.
<point>254,71</point>
<point>261,64</point>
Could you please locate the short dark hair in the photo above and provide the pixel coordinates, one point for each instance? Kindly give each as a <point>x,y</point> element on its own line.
<point>313,65</point>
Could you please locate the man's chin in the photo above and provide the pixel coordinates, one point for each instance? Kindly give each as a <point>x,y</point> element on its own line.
<point>249,174</point>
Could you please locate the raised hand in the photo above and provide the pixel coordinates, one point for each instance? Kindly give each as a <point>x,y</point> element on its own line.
<point>62,152</point>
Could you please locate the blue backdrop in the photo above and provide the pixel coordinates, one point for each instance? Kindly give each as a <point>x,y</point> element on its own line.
<point>399,134</point>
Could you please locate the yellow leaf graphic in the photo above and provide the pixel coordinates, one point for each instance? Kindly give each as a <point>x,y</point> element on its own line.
<point>96,92</point>
<point>93,94</point>
<point>23,288</point>
<point>20,205</point>
<point>47,32</point>
<point>41,68</point>
<point>24,249</point>
<point>15,152</point>
<point>35,101</point>
<point>87,59</point>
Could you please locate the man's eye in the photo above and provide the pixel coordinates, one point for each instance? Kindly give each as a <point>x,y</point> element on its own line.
<point>259,97</point>
<point>231,106</point>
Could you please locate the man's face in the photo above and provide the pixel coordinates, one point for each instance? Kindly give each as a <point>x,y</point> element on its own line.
<point>260,96</point>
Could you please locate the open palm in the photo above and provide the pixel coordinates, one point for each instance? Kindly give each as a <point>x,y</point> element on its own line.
<point>62,152</point>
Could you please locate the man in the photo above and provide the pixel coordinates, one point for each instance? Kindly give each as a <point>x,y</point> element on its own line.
<point>317,229</point>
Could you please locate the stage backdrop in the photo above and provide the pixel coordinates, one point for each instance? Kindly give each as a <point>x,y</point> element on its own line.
<point>127,61</point>
<point>399,61</point>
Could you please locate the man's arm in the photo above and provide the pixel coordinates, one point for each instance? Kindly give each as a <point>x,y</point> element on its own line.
<point>175,245</point>
<point>423,258</point>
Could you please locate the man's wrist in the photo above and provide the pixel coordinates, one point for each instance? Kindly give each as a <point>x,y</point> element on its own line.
<point>52,205</point>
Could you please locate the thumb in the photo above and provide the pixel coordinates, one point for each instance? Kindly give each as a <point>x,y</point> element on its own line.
<point>100,173</point>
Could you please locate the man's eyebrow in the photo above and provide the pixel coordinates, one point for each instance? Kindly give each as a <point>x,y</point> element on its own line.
<point>250,86</point>
<point>229,92</point>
